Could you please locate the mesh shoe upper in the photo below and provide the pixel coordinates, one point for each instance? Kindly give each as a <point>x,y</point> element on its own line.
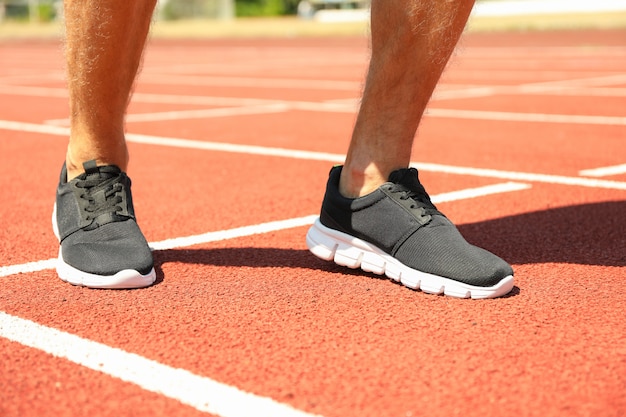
<point>96,222</point>
<point>400,219</point>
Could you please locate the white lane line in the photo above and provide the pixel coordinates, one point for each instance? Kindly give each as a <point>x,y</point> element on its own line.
<point>581,92</point>
<point>179,242</point>
<point>479,192</point>
<point>143,97</point>
<point>604,171</point>
<point>451,92</point>
<point>599,81</point>
<point>34,128</point>
<point>338,107</point>
<point>270,108</point>
<point>224,62</point>
<point>220,235</point>
<point>598,85</point>
<point>251,82</point>
<point>208,113</point>
<point>529,7</point>
<point>36,266</point>
<point>202,393</point>
<point>307,220</point>
<point>268,227</point>
<point>31,91</point>
<point>328,157</point>
<point>32,78</point>
<point>234,148</point>
<point>193,114</point>
<point>526,117</point>
<point>339,158</point>
<point>520,176</point>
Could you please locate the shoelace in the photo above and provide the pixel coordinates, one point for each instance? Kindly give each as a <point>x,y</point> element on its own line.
<point>419,196</point>
<point>112,199</point>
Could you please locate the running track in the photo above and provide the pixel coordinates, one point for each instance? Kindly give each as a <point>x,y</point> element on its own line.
<point>524,147</point>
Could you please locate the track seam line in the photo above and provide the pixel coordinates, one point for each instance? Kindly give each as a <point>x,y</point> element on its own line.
<point>179,242</point>
<point>202,393</point>
<point>28,267</point>
<point>268,227</point>
<point>193,114</point>
<point>604,171</point>
<point>444,91</point>
<point>520,176</point>
<point>286,83</point>
<point>235,233</point>
<point>328,157</point>
<point>527,117</point>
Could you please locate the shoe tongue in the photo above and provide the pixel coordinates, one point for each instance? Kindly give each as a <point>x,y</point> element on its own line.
<point>94,172</point>
<point>407,177</point>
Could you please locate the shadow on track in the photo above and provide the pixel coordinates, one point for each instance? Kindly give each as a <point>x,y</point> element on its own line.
<point>588,234</point>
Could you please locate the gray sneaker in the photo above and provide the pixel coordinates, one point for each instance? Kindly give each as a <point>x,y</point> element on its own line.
<point>397,231</point>
<point>101,245</point>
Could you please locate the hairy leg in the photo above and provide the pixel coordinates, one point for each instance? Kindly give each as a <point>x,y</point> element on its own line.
<point>104,44</point>
<point>412,41</point>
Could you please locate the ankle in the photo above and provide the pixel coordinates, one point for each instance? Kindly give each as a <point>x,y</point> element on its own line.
<point>74,160</point>
<point>355,182</point>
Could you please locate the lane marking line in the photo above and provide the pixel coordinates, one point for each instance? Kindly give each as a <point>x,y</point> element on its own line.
<point>249,82</point>
<point>34,128</point>
<point>179,242</point>
<point>526,117</point>
<point>520,176</point>
<point>339,107</point>
<point>589,86</point>
<point>530,7</point>
<point>202,393</point>
<point>268,227</point>
<point>479,192</point>
<point>349,107</point>
<point>32,91</point>
<point>208,113</point>
<point>28,76</point>
<point>237,232</point>
<point>36,266</point>
<point>499,53</point>
<point>604,171</point>
<point>346,108</point>
<point>193,114</point>
<point>308,220</point>
<point>328,157</point>
<point>246,62</point>
<point>581,92</point>
<point>234,148</point>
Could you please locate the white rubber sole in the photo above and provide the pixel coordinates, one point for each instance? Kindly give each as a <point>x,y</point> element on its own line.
<point>346,250</point>
<point>125,279</point>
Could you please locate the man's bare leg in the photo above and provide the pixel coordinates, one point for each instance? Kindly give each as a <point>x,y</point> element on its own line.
<point>395,229</point>
<point>101,245</point>
<point>412,41</point>
<point>104,45</point>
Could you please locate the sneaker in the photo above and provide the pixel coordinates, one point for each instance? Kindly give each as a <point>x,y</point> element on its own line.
<point>101,245</point>
<point>397,231</point>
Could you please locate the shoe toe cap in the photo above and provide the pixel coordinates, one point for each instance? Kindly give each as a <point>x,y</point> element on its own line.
<point>442,251</point>
<point>108,249</point>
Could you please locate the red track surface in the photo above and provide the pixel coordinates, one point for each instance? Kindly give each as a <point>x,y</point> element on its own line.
<point>258,312</point>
